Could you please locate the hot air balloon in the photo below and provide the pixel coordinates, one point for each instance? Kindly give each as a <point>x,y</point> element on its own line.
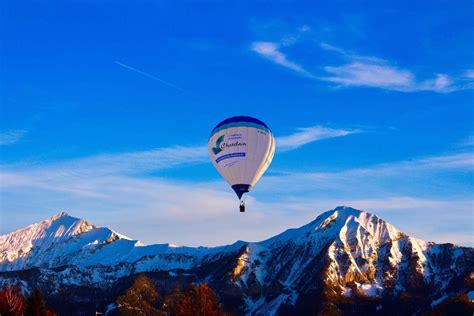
<point>241,148</point>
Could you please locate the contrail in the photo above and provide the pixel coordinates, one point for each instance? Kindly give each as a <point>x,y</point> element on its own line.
<point>148,75</point>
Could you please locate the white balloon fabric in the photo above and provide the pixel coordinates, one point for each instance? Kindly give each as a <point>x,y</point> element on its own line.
<point>241,148</point>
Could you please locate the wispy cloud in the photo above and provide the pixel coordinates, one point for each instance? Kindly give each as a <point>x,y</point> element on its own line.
<point>157,210</point>
<point>12,137</point>
<point>433,176</point>
<point>370,71</point>
<point>271,51</point>
<point>469,141</point>
<point>359,71</point>
<point>463,162</point>
<point>129,163</point>
<point>149,75</point>
<point>110,188</point>
<point>308,135</point>
<point>468,77</point>
<point>142,161</point>
<point>151,208</point>
<point>372,75</point>
<point>469,74</point>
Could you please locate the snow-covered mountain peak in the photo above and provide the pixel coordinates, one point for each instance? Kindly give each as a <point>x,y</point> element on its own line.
<point>346,219</point>
<point>347,209</point>
<point>54,229</point>
<point>341,224</point>
<point>59,215</point>
<point>58,236</point>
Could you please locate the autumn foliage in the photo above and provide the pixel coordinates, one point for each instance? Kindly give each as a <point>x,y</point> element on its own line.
<point>199,301</point>
<point>13,303</point>
<point>140,299</point>
<point>143,299</point>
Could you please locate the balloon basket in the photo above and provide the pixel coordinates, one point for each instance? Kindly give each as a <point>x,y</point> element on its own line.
<point>242,207</point>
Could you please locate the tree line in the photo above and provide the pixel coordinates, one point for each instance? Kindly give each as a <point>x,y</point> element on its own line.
<point>14,303</point>
<point>141,298</point>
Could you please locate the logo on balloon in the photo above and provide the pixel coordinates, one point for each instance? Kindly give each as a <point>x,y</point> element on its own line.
<point>217,149</point>
<point>236,139</point>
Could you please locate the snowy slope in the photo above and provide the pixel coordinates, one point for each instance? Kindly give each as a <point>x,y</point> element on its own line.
<point>52,242</point>
<point>24,247</point>
<point>63,239</point>
<point>359,255</point>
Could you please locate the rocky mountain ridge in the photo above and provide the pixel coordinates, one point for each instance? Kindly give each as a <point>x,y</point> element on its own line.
<point>344,261</point>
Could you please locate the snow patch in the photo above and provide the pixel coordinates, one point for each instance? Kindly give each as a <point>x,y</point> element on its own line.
<point>328,221</point>
<point>439,300</point>
<point>470,295</point>
<point>110,308</point>
<point>347,292</point>
<point>370,289</point>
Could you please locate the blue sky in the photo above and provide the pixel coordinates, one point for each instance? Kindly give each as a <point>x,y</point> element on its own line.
<point>106,108</point>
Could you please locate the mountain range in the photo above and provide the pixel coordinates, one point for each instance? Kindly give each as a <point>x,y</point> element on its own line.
<point>345,261</point>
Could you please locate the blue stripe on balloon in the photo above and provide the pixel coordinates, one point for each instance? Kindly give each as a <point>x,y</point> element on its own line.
<point>241,119</point>
<point>232,155</point>
<point>240,124</point>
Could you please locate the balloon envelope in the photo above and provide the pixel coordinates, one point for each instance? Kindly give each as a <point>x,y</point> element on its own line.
<point>241,148</point>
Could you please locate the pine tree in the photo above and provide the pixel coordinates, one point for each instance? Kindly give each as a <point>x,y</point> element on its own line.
<point>184,307</point>
<point>35,304</point>
<point>206,302</point>
<point>139,299</point>
<point>172,299</point>
<point>198,301</point>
